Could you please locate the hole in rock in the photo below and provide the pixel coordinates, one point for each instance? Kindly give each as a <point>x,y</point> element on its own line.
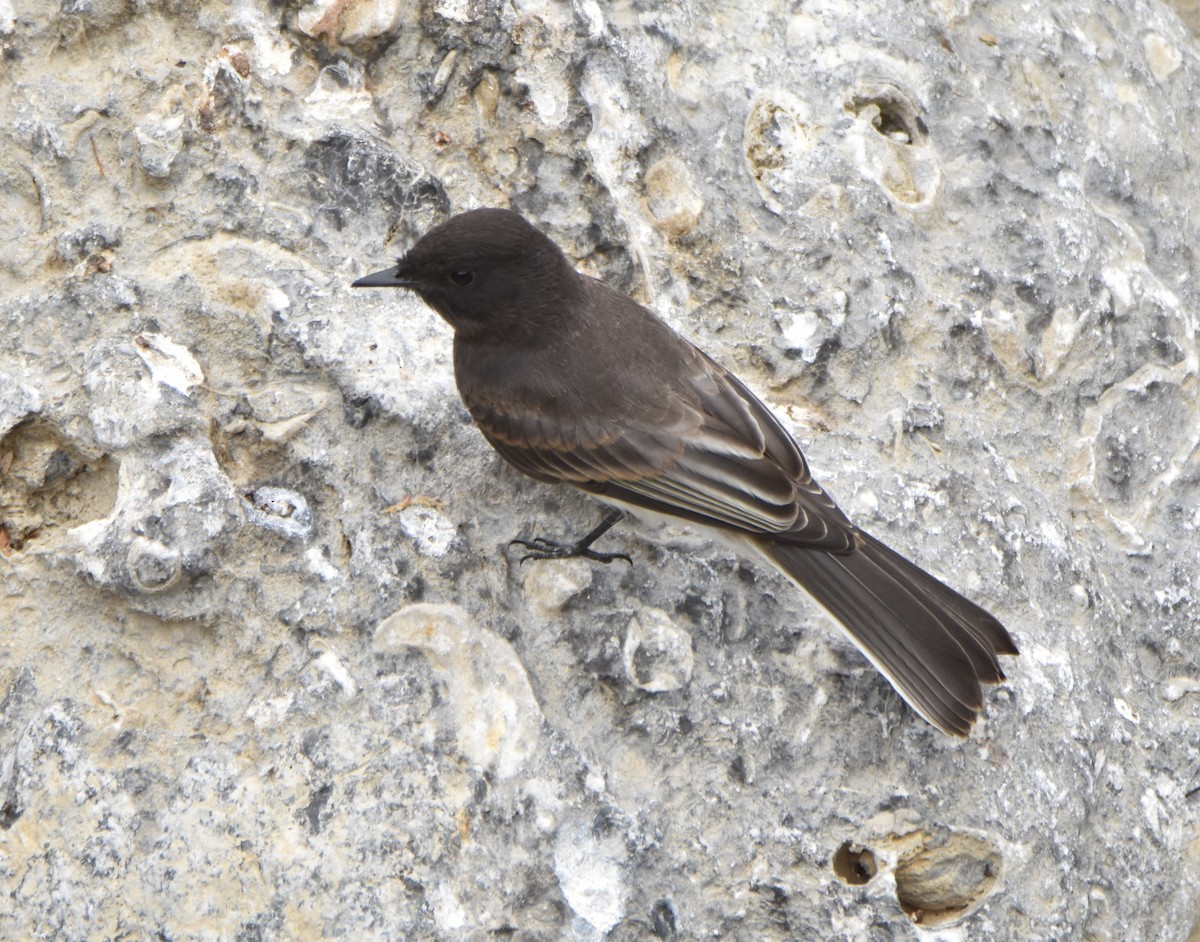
<point>854,864</point>
<point>47,484</point>
<point>936,885</point>
<point>891,113</point>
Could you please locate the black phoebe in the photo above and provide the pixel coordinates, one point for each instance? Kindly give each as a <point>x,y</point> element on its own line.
<point>573,382</point>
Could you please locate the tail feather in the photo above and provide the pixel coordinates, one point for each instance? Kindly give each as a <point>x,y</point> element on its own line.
<point>980,623</point>
<point>935,646</point>
<point>966,627</point>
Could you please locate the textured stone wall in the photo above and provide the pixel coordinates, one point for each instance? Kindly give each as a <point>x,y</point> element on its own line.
<point>268,669</point>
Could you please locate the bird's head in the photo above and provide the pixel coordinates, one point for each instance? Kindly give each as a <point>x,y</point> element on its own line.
<point>487,272</point>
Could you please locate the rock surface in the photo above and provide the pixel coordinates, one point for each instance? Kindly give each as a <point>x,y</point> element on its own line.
<point>268,669</point>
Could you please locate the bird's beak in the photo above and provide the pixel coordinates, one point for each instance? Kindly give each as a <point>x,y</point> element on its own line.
<point>398,276</point>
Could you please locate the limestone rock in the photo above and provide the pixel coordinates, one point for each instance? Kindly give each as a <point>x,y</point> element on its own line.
<point>269,669</point>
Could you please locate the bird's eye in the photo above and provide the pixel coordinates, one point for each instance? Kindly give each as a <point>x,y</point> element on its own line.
<point>462,277</point>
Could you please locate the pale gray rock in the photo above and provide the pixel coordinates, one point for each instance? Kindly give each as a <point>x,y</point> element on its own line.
<point>173,510</point>
<point>591,873</point>
<point>151,386</point>
<point>281,510</point>
<point>17,402</point>
<point>352,22</point>
<point>657,653</point>
<point>496,719</point>
<point>270,669</point>
<point>159,143</point>
<point>551,588</point>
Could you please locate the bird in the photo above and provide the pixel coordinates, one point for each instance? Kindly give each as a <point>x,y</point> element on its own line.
<point>573,382</point>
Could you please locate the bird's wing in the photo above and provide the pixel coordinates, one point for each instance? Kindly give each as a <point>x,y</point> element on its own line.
<point>712,453</point>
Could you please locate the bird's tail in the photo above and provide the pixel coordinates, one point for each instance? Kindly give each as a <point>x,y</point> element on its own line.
<point>935,646</point>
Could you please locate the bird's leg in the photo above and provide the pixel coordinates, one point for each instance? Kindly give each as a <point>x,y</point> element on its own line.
<point>541,548</point>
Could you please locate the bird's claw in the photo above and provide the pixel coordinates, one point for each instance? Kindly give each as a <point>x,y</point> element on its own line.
<point>541,548</point>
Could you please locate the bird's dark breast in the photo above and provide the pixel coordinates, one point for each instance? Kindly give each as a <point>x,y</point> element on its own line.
<point>583,380</point>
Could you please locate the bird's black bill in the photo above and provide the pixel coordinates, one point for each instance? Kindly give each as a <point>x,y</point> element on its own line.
<point>388,278</point>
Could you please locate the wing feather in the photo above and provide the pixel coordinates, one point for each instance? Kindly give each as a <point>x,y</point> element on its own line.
<point>711,452</point>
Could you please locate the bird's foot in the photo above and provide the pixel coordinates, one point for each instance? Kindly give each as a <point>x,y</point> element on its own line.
<point>541,548</point>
